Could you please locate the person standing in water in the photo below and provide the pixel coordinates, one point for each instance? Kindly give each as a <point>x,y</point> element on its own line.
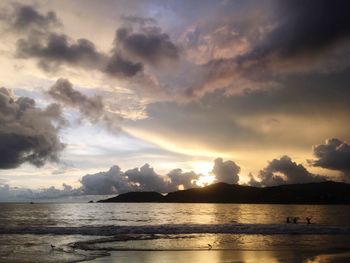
<point>308,220</point>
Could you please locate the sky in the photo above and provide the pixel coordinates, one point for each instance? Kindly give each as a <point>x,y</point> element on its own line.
<point>116,96</point>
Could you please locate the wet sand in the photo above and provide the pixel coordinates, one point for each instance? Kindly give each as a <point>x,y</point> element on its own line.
<point>222,256</point>
<point>37,249</point>
<point>175,248</point>
<point>227,248</point>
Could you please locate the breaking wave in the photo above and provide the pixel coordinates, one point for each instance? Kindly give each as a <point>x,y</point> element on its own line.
<point>264,229</point>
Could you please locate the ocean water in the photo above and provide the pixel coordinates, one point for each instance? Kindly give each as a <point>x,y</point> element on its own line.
<point>150,232</point>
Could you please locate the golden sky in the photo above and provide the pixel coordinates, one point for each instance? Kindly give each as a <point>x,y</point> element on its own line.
<point>177,85</point>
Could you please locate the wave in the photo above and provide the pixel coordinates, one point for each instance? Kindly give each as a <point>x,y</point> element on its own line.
<point>264,229</point>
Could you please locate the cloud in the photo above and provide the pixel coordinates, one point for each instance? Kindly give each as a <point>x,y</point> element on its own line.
<point>115,181</point>
<point>253,181</point>
<point>93,108</point>
<point>53,50</point>
<point>145,178</point>
<point>181,180</point>
<point>62,91</point>
<point>226,171</point>
<point>140,21</point>
<point>8,193</point>
<point>310,27</point>
<point>317,97</point>
<point>28,133</point>
<point>109,182</point>
<point>294,38</point>
<point>302,30</point>
<point>334,154</point>
<point>179,124</point>
<point>25,18</point>
<point>117,65</point>
<point>284,171</point>
<point>148,44</point>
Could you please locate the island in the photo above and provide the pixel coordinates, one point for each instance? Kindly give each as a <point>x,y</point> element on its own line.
<point>328,192</point>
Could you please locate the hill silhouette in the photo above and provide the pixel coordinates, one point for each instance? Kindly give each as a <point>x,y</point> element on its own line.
<point>311,193</point>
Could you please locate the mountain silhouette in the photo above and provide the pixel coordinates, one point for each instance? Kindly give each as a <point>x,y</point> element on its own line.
<point>311,193</point>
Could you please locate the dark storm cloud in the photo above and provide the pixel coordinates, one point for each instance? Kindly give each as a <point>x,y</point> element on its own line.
<point>304,27</point>
<point>226,171</point>
<point>334,154</point>
<point>27,133</point>
<point>293,38</point>
<point>284,171</point>
<point>27,17</point>
<point>297,38</point>
<point>310,26</point>
<point>149,44</point>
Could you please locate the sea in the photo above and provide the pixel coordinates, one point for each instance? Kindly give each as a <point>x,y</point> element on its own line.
<point>173,232</point>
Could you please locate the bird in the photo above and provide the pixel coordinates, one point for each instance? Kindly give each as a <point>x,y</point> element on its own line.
<point>209,246</point>
<point>52,246</point>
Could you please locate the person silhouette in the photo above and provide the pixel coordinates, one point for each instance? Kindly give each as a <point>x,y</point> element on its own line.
<point>295,220</point>
<point>308,220</point>
<point>288,220</point>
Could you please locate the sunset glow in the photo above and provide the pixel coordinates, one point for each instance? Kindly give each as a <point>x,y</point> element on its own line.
<point>161,96</point>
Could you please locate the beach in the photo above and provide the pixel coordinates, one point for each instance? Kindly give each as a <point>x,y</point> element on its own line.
<point>172,232</point>
<point>220,256</point>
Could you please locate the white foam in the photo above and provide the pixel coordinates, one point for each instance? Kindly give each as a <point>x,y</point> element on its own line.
<point>264,229</point>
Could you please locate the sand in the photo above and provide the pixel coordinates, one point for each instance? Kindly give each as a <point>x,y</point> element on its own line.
<point>222,256</point>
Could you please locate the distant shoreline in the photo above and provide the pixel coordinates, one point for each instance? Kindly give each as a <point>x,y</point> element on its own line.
<point>323,193</point>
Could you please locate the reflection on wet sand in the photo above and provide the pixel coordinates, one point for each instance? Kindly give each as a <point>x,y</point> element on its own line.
<point>189,256</point>
<point>225,248</point>
<point>331,258</point>
<point>221,256</point>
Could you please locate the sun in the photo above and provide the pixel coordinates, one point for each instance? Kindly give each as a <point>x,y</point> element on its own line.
<point>205,180</point>
<point>202,167</point>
